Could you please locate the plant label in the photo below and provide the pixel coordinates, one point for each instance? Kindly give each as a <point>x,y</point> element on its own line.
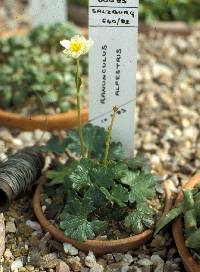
<point>113,26</point>
<point>48,11</point>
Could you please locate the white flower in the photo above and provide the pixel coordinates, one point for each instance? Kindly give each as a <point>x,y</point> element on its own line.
<point>77,46</point>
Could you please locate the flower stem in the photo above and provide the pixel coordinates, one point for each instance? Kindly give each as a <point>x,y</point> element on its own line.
<point>78,85</point>
<point>108,140</point>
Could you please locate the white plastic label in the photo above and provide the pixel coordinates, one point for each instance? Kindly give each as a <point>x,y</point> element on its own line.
<point>48,11</point>
<point>113,26</point>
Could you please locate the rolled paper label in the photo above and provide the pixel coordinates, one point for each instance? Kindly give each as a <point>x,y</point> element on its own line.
<point>113,26</point>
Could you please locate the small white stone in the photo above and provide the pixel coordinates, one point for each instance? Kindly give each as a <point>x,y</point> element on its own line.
<point>156,259</point>
<point>8,254</point>
<point>159,188</point>
<point>62,267</point>
<point>90,260</point>
<point>118,256</point>
<point>158,262</point>
<point>145,262</point>
<point>17,142</point>
<point>10,227</point>
<point>127,259</point>
<point>43,136</point>
<point>172,187</point>
<point>136,269</point>
<point>26,137</point>
<point>69,249</point>
<point>97,268</point>
<point>16,264</point>
<point>34,225</point>
<point>5,135</point>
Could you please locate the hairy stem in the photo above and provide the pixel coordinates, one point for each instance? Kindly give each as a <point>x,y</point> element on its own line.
<point>108,140</point>
<point>78,85</point>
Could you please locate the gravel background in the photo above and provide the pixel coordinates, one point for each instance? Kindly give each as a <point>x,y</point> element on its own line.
<point>168,111</point>
<point>13,13</point>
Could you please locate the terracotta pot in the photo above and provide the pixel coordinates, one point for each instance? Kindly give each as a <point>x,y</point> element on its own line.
<point>43,122</point>
<point>98,247</point>
<point>190,264</point>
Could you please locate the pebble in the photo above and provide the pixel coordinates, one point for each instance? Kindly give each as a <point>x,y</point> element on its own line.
<point>97,268</point>
<point>90,260</point>
<point>40,135</point>
<point>74,263</point>
<point>26,138</point>
<point>5,135</point>
<point>110,258</point>
<point>69,249</point>
<point>30,268</point>
<point>2,235</point>
<point>134,268</point>
<point>145,262</point>
<point>34,225</point>
<point>62,267</point>
<point>17,143</point>
<point>8,254</point>
<point>10,227</point>
<point>50,260</point>
<point>127,259</point>
<point>18,263</point>
<point>158,263</point>
<point>117,267</point>
<point>102,262</point>
<point>117,256</point>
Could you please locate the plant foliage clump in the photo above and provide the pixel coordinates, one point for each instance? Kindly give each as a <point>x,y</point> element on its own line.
<point>33,66</point>
<point>99,195</point>
<point>189,208</point>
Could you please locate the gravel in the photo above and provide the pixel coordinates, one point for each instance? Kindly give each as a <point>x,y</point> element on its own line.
<point>13,13</point>
<point>168,97</point>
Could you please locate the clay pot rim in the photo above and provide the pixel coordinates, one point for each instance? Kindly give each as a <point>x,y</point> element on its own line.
<point>190,264</point>
<point>97,246</point>
<point>44,122</point>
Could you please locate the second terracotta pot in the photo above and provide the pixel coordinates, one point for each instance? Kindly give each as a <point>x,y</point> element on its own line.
<point>44,122</point>
<point>189,263</point>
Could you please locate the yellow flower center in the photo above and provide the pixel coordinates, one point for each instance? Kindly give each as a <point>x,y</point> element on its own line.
<point>76,46</point>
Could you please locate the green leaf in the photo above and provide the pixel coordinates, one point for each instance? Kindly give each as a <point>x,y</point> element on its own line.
<point>174,213</point>
<point>97,197</point>
<point>193,241</point>
<point>116,151</point>
<point>115,213</point>
<point>80,176</point>
<point>142,186</point>
<point>94,140</point>
<point>140,219</point>
<point>57,193</point>
<point>54,145</point>
<point>119,169</point>
<point>138,163</point>
<point>78,207</point>
<point>118,194</point>
<point>102,176</point>
<point>57,176</point>
<point>74,220</point>
<point>80,228</point>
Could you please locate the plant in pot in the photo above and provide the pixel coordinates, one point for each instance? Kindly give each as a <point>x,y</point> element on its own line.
<point>98,192</point>
<point>32,68</point>
<point>186,224</point>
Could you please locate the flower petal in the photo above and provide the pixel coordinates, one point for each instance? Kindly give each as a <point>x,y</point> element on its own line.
<point>65,43</point>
